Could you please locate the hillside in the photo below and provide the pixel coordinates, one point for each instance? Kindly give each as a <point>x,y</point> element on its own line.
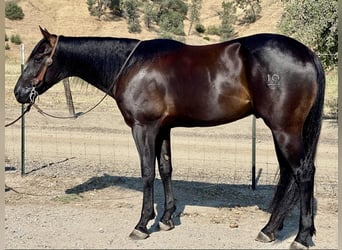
<point>72,18</point>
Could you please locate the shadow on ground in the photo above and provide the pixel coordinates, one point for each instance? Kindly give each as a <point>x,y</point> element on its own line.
<point>195,193</point>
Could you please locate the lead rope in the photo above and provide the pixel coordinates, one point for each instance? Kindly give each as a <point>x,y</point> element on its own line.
<point>27,109</point>
<point>79,113</point>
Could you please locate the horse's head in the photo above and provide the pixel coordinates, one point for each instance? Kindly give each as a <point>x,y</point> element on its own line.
<point>42,70</point>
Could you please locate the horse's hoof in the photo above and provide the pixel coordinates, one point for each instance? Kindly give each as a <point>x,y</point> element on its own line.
<point>166,227</point>
<point>297,245</point>
<point>138,235</point>
<point>265,238</point>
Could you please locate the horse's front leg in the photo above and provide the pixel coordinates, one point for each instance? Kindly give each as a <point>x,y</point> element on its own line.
<point>145,140</point>
<point>163,152</point>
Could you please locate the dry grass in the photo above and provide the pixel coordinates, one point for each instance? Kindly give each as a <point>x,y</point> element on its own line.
<point>71,18</point>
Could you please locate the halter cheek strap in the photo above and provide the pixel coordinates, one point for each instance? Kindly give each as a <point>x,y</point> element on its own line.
<point>48,62</point>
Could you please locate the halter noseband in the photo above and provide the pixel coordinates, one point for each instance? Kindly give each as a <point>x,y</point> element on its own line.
<point>36,81</point>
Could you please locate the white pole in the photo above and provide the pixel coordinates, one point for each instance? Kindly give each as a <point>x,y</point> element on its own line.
<point>22,61</point>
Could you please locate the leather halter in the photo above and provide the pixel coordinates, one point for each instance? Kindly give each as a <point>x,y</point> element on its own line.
<point>48,62</point>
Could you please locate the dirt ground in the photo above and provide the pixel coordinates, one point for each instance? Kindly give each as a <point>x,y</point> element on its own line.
<point>82,188</point>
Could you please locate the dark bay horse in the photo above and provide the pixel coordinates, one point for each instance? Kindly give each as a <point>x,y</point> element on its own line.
<point>165,84</point>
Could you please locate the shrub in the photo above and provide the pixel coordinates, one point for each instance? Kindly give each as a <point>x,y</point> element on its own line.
<point>100,7</point>
<point>134,27</point>
<point>200,28</point>
<point>214,30</point>
<point>16,39</point>
<point>13,11</point>
<point>7,47</point>
<point>6,38</point>
<point>332,107</point>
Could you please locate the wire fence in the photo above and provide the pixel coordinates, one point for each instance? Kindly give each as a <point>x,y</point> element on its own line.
<point>101,143</point>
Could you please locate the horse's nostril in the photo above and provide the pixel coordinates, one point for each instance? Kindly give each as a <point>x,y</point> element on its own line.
<point>16,93</point>
<point>21,93</point>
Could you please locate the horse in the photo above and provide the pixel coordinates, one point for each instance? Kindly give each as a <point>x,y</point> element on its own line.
<point>160,84</point>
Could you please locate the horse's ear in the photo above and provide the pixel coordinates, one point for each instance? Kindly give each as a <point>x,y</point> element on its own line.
<point>50,37</point>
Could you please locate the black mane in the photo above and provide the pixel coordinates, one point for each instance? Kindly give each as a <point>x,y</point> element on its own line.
<point>104,55</point>
<point>97,60</point>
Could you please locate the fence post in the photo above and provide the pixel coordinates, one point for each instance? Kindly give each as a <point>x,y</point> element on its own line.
<point>68,96</point>
<point>22,59</point>
<point>253,152</point>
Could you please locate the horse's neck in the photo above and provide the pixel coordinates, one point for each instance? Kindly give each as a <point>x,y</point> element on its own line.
<point>95,60</point>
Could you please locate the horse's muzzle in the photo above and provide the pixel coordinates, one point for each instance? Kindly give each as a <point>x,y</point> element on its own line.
<point>25,94</point>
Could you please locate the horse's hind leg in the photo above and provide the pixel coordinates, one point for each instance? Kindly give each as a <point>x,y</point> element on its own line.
<point>305,177</point>
<point>163,153</point>
<point>292,148</point>
<point>285,196</point>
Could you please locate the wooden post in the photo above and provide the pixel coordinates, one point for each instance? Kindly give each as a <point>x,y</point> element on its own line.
<point>68,96</point>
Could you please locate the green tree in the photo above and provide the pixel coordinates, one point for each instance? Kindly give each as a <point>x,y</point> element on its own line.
<point>13,11</point>
<point>314,23</point>
<point>99,7</point>
<point>149,14</point>
<point>251,8</point>
<point>228,18</point>
<point>131,7</point>
<point>170,16</point>
<point>195,11</point>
